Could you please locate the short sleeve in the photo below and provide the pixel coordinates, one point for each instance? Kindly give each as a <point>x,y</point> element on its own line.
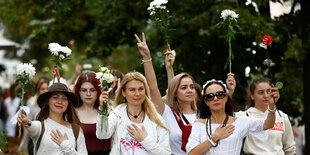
<point>195,136</point>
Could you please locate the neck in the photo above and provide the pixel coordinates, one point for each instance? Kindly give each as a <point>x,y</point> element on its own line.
<point>186,108</point>
<point>218,116</point>
<point>87,107</point>
<point>56,117</point>
<point>134,109</point>
<point>262,108</point>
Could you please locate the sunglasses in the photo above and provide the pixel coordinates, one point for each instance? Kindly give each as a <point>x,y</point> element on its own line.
<point>219,95</point>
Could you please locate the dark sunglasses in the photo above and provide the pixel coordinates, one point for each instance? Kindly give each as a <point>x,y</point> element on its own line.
<point>219,95</point>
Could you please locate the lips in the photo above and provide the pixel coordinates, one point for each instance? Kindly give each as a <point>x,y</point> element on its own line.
<point>216,104</point>
<point>58,107</point>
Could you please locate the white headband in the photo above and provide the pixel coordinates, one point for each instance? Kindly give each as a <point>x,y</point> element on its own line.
<point>213,80</point>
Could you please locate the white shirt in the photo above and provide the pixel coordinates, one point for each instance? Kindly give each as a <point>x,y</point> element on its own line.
<point>280,136</point>
<point>48,146</point>
<point>12,107</point>
<point>175,137</point>
<point>129,145</point>
<point>232,144</point>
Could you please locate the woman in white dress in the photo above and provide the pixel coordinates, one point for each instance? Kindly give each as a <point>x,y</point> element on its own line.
<point>217,131</point>
<point>56,119</point>
<point>135,125</point>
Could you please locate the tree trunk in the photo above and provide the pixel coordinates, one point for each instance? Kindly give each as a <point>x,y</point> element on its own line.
<point>305,22</point>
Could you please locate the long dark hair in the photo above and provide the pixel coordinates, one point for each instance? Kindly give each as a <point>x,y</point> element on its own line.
<point>204,110</point>
<point>69,115</point>
<point>252,88</point>
<point>88,77</point>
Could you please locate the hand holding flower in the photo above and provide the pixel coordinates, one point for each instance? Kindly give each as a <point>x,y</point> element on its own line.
<point>231,84</point>
<point>103,98</point>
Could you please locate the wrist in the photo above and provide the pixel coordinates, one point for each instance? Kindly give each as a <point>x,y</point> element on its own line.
<point>215,138</point>
<point>146,60</point>
<point>271,109</point>
<point>28,124</point>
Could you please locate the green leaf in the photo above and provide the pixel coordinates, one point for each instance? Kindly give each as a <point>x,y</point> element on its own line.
<point>279,85</point>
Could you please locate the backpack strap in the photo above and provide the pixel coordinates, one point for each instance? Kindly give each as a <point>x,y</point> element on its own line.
<point>41,135</point>
<point>76,130</point>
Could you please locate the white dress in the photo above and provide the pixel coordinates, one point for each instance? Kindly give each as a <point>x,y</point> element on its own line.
<point>48,146</point>
<point>175,137</point>
<point>232,144</point>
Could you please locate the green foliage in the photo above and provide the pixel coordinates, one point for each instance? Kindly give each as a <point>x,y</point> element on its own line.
<point>104,30</point>
<point>3,141</point>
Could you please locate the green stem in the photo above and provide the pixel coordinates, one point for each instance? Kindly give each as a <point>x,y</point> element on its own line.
<point>171,69</point>
<point>22,104</point>
<point>230,55</point>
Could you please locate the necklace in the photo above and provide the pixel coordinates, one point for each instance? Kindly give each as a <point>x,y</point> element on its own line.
<point>209,131</point>
<point>134,116</point>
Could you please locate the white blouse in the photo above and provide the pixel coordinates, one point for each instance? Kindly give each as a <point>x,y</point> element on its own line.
<point>48,146</point>
<point>232,144</point>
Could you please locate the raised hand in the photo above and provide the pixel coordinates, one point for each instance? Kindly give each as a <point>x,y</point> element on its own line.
<point>231,84</point>
<point>137,133</point>
<point>274,93</point>
<point>142,47</point>
<point>104,97</point>
<point>58,137</point>
<point>23,120</point>
<point>169,59</point>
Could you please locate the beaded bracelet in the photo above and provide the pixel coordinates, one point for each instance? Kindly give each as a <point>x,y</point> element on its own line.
<point>272,111</point>
<point>144,61</point>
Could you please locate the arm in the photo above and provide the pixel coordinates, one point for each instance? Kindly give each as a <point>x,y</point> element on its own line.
<point>231,84</point>
<point>78,70</point>
<point>150,74</point>
<point>169,61</point>
<point>33,127</point>
<point>270,120</point>
<point>289,145</point>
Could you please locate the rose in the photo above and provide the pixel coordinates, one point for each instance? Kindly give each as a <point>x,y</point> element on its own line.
<point>267,40</point>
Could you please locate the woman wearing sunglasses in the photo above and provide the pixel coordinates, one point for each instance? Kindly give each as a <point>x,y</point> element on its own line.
<point>281,135</point>
<point>217,131</point>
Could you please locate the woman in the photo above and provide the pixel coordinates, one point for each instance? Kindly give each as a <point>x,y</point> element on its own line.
<point>118,77</point>
<point>53,132</point>
<point>180,98</point>
<point>88,90</point>
<point>134,124</point>
<point>217,131</point>
<point>280,136</point>
<point>41,87</point>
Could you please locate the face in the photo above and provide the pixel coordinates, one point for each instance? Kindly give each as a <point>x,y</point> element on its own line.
<point>186,91</point>
<point>261,95</point>
<point>134,92</point>
<point>88,93</point>
<point>58,103</point>
<point>218,101</point>
<point>43,88</point>
<point>114,83</point>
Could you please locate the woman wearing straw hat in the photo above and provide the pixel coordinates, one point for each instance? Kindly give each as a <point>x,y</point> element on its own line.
<point>53,133</point>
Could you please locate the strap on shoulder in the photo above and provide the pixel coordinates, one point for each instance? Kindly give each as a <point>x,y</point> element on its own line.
<point>41,135</point>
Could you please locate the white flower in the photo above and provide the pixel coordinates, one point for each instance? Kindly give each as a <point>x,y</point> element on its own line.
<point>104,70</point>
<point>157,4</point>
<point>66,50</point>
<point>229,14</point>
<point>61,57</point>
<point>87,66</point>
<point>27,69</point>
<point>54,48</point>
<point>99,75</point>
<point>108,77</point>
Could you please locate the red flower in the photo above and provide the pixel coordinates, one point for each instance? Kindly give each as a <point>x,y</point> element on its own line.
<point>267,40</point>
<point>71,42</point>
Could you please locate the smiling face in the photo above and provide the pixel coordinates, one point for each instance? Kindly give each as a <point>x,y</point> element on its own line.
<point>186,91</point>
<point>88,93</point>
<point>218,103</point>
<point>261,95</point>
<point>58,103</point>
<point>134,92</point>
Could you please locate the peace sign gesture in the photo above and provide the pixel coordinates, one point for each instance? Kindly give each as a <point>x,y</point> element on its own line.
<point>142,47</point>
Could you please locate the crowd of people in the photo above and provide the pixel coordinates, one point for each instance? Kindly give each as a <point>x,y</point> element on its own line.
<point>188,119</point>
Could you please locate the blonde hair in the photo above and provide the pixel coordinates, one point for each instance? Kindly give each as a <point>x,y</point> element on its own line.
<point>172,92</point>
<point>147,105</point>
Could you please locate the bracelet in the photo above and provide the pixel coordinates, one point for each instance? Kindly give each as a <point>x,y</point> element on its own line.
<point>144,61</point>
<point>99,110</point>
<point>28,124</point>
<point>272,111</point>
<point>212,142</point>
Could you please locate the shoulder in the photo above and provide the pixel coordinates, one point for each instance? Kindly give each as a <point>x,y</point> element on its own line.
<point>240,113</point>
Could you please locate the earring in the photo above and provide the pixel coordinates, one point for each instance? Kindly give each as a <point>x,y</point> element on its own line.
<point>124,99</point>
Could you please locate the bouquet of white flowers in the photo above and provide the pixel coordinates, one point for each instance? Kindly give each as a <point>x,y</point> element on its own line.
<point>61,54</point>
<point>105,77</point>
<point>24,73</point>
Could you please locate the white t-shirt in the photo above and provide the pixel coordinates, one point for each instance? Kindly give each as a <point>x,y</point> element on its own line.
<point>175,137</point>
<point>12,107</point>
<point>129,145</point>
<point>232,144</point>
